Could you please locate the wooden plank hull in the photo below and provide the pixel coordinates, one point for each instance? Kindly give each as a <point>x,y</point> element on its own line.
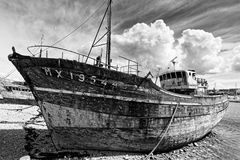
<point>75,129</point>
<point>87,107</point>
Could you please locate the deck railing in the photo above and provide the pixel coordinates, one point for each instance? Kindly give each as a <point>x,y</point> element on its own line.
<point>45,51</point>
<point>132,67</point>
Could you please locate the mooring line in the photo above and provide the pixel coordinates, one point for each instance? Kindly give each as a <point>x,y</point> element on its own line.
<point>170,122</point>
<point>18,109</point>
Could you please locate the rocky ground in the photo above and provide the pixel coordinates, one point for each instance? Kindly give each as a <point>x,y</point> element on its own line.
<point>207,148</point>
<point>12,144</point>
<point>20,140</point>
<point>12,135</point>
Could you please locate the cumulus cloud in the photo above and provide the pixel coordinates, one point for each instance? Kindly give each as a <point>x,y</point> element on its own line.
<point>200,50</point>
<point>154,45</point>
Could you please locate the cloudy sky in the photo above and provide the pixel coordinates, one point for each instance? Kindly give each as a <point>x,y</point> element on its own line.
<point>203,34</point>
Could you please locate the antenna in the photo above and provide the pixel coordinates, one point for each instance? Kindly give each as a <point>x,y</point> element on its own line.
<point>158,73</point>
<point>41,44</point>
<point>108,47</point>
<point>101,52</point>
<point>174,62</point>
<point>42,39</point>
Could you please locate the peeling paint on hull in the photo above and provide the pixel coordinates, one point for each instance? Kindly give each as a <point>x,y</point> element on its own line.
<point>86,107</point>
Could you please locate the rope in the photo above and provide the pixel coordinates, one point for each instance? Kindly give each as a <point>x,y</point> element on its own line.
<point>18,109</point>
<point>84,22</point>
<point>151,153</point>
<point>11,72</point>
<point>34,120</point>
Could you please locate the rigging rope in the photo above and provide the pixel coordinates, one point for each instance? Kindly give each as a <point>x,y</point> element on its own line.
<point>95,12</point>
<point>170,122</point>
<point>11,72</point>
<point>84,22</point>
<point>17,109</point>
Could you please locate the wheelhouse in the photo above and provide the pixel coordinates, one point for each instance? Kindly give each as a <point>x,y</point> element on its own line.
<point>184,82</point>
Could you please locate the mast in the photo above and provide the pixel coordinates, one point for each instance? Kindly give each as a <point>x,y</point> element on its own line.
<point>108,13</point>
<point>174,62</point>
<point>108,47</point>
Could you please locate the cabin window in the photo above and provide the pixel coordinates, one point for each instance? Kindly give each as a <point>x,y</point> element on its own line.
<point>179,75</point>
<point>168,76</point>
<point>173,74</point>
<point>184,77</point>
<point>161,78</point>
<point>8,88</point>
<point>164,77</point>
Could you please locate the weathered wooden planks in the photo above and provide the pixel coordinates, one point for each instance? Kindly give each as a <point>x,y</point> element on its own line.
<point>78,129</point>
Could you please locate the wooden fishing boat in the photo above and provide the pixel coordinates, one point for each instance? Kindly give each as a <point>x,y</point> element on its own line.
<point>95,106</point>
<point>15,93</point>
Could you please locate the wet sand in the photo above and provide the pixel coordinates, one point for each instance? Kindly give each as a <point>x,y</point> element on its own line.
<point>222,143</point>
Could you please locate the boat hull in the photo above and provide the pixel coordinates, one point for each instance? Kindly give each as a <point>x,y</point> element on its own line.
<point>91,108</point>
<point>101,131</point>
